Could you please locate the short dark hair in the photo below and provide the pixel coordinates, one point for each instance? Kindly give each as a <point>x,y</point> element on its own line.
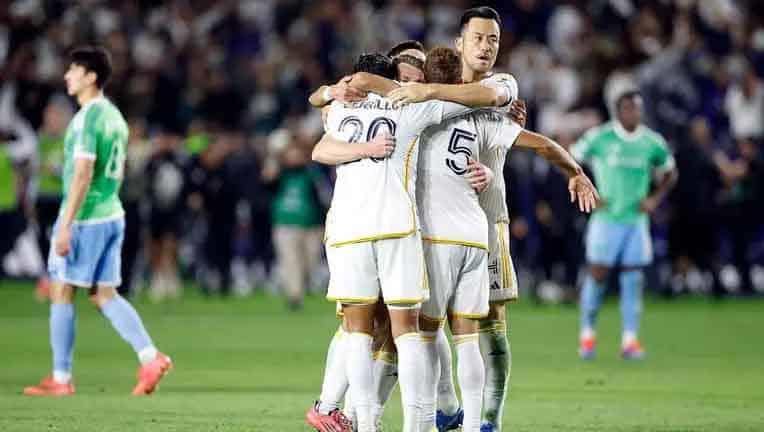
<point>409,60</point>
<point>94,59</point>
<point>377,64</point>
<point>405,45</point>
<point>443,66</point>
<point>479,12</point>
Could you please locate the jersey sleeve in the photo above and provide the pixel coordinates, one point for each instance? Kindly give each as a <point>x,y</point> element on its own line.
<point>505,86</point>
<point>499,131</point>
<point>85,146</point>
<point>584,148</point>
<point>661,158</point>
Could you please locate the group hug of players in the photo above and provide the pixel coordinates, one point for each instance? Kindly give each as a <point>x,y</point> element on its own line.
<point>417,233</point>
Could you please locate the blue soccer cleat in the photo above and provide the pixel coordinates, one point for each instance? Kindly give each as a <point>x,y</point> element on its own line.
<point>445,422</point>
<point>488,427</point>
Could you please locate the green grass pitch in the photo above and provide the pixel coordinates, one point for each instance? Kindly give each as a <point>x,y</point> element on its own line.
<point>248,365</point>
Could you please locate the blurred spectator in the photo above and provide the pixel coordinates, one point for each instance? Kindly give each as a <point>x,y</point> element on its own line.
<point>694,231</point>
<point>745,106</point>
<point>300,198</point>
<point>56,117</point>
<point>212,191</point>
<point>133,195</point>
<point>165,192</point>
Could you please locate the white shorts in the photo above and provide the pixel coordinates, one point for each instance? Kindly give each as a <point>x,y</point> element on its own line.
<point>501,272</point>
<point>394,268</point>
<point>458,281</point>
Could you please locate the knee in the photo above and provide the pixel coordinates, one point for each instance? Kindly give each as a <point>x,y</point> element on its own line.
<point>599,273</point>
<point>61,294</point>
<point>497,311</point>
<point>100,296</point>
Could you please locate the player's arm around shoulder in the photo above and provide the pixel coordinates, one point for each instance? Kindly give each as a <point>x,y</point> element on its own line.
<point>334,151</point>
<point>492,92</point>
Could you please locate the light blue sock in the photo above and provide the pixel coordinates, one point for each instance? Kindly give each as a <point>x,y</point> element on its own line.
<point>62,336</point>
<point>124,318</point>
<point>631,282</point>
<point>591,299</point>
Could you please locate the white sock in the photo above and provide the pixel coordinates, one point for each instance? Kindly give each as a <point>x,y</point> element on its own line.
<point>497,356</point>
<point>471,374</point>
<point>429,381</point>
<point>628,337</point>
<point>359,365</point>
<point>335,382</point>
<point>385,378</point>
<point>587,333</point>
<point>147,355</point>
<point>410,366</point>
<point>447,401</point>
<point>62,377</point>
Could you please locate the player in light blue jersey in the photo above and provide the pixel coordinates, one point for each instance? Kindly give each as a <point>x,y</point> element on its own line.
<point>87,238</point>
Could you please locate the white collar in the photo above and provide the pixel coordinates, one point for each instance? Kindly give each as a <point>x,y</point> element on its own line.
<point>626,135</point>
<point>99,97</point>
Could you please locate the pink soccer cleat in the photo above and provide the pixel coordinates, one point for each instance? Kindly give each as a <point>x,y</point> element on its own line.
<point>49,387</point>
<point>335,421</point>
<point>633,351</point>
<point>587,348</point>
<point>151,373</point>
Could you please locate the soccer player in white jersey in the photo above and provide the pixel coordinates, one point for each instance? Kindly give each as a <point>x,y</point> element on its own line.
<point>372,229</point>
<point>408,58</point>
<point>451,223</point>
<point>88,234</point>
<point>478,45</point>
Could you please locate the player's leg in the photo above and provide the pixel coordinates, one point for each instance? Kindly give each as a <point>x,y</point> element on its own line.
<point>468,305</point>
<point>402,275</point>
<point>494,341</point>
<point>354,282</point>
<point>325,413</point>
<point>449,411</point>
<point>443,263</point>
<point>65,272</point>
<point>62,320</point>
<point>637,254</point>
<point>359,325</point>
<point>604,242</point>
<point>120,313</point>
<point>385,361</point>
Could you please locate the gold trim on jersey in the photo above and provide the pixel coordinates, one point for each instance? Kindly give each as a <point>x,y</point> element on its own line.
<point>438,321</point>
<point>373,238</point>
<point>387,357</point>
<point>504,257</point>
<point>387,236</point>
<point>353,300</point>
<point>469,315</point>
<point>404,301</point>
<point>439,240</point>
<point>460,339</point>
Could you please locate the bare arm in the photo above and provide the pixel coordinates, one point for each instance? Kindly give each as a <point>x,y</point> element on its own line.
<point>472,95</point>
<point>666,182</point>
<point>333,151</point>
<point>318,98</point>
<point>580,186</point>
<point>83,175</point>
<point>342,91</point>
<point>551,151</point>
<point>372,83</point>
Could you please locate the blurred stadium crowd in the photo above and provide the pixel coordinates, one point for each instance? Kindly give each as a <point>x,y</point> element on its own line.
<point>219,184</point>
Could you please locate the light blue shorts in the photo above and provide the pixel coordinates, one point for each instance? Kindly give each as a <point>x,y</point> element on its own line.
<point>627,244</point>
<point>95,255</point>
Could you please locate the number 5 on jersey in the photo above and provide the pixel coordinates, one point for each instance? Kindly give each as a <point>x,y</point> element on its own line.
<point>455,149</point>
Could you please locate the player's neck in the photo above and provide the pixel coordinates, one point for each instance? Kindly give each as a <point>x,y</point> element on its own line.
<point>470,76</point>
<point>88,95</point>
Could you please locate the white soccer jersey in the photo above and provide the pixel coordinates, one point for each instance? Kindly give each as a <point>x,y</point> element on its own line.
<point>493,200</point>
<point>448,206</point>
<point>375,199</point>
